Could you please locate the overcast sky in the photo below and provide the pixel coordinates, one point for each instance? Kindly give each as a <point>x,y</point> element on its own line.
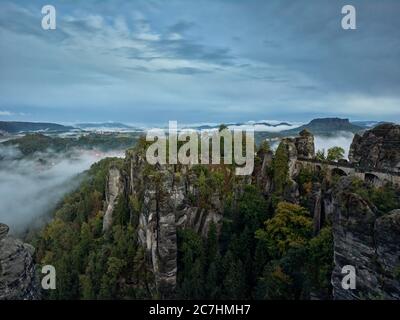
<point>150,61</point>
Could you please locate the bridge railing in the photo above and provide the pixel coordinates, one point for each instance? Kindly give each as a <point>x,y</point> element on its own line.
<point>356,167</point>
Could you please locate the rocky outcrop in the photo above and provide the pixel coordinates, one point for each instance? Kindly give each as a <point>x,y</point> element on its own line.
<point>163,196</point>
<point>387,243</point>
<point>369,243</point>
<point>299,147</point>
<point>261,172</point>
<point>305,145</point>
<point>291,192</point>
<point>114,187</point>
<point>3,231</point>
<point>377,148</point>
<point>17,269</point>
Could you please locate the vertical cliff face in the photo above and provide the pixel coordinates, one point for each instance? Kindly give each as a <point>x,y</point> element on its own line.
<point>369,243</point>
<point>114,187</point>
<point>17,269</point>
<point>377,148</point>
<point>166,198</point>
<point>363,237</point>
<point>305,145</point>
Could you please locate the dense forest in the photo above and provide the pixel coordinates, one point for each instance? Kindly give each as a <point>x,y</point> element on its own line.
<point>32,143</point>
<point>265,247</point>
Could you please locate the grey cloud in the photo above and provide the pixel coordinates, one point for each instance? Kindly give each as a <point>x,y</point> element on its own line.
<point>181,26</point>
<point>184,71</point>
<point>190,50</point>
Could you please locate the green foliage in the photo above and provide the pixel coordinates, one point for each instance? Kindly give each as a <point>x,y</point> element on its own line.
<point>235,286</point>
<point>335,154</point>
<point>291,226</point>
<point>320,261</point>
<point>320,155</point>
<point>91,264</point>
<point>275,284</point>
<point>385,198</point>
<point>259,250</point>
<point>264,147</point>
<point>191,259</point>
<point>298,262</point>
<point>121,212</point>
<point>37,142</point>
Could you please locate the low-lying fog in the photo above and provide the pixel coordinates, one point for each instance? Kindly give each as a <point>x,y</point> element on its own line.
<point>29,188</point>
<point>343,140</point>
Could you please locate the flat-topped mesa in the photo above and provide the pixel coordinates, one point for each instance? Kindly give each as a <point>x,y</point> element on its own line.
<point>377,148</point>
<point>3,230</point>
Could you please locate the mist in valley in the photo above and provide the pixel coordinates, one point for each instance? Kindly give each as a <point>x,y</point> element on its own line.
<point>31,187</point>
<point>324,142</point>
<point>342,139</point>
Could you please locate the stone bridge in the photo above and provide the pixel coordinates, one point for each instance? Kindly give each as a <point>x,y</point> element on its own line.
<point>376,176</point>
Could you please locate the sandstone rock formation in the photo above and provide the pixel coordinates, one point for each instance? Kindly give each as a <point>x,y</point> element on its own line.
<point>305,145</point>
<point>163,194</point>
<point>362,238</point>
<point>377,148</point>
<point>369,243</point>
<point>17,269</point>
<point>114,187</point>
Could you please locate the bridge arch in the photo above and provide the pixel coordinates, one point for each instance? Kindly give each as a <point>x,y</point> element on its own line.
<point>372,178</point>
<point>338,172</point>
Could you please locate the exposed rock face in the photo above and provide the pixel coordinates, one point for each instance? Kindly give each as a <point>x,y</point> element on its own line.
<point>369,243</point>
<point>291,192</point>
<point>305,145</point>
<point>387,241</point>
<point>317,207</point>
<point>377,148</point>
<point>165,194</point>
<point>114,187</point>
<point>17,269</point>
<point>263,179</point>
<point>299,147</point>
<point>3,231</point>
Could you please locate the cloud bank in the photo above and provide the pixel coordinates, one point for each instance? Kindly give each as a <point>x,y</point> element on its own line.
<point>343,140</point>
<point>30,188</point>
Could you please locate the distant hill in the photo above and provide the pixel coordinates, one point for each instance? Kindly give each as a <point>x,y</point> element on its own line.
<point>109,125</point>
<point>37,142</point>
<point>326,126</point>
<point>367,124</point>
<point>16,127</point>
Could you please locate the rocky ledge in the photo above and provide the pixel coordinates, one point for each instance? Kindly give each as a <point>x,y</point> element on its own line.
<point>17,269</point>
<point>367,241</point>
<point>377,148</point>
